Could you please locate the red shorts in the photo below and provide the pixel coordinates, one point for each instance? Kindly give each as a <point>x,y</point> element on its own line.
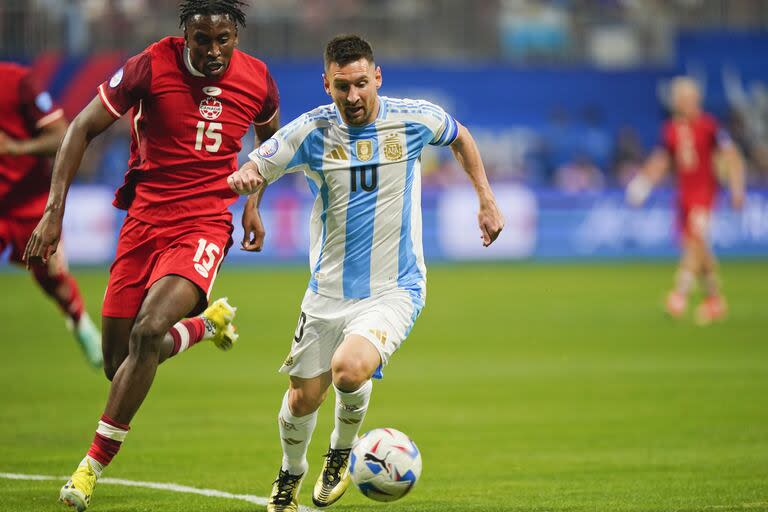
<point>15,233</point>
<point>146,253</point>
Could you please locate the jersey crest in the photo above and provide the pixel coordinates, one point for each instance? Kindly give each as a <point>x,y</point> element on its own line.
<point>393,148</point>
<point>364,149</point>
<point>210,108</point>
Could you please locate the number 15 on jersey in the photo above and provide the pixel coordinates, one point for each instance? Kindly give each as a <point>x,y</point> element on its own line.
<point>210,133</point>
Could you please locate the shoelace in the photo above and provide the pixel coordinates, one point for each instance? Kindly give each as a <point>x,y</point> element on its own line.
<point>337,459</point>
<point>286,483</point>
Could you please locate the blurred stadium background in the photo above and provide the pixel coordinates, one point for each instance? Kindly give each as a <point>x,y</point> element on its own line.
<point>565,98</point>
<point>598,402</point>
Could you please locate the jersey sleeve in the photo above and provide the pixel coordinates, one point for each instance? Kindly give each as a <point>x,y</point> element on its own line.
<point>130,84</point>
<point>282,153</point>
<point>720,136</point>
<point>442,125</point>
<point>270,104</point>
<point>37,106</point>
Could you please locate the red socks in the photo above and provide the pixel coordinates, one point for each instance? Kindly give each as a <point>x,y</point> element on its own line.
<point>107,441</point>
<point>62,288</point>
<point>186,333</point>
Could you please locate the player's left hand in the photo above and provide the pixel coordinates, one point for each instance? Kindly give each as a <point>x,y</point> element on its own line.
<point>246,180</point>
<point>253,228</point>
<point>491,223</point>
<point>8,146</point>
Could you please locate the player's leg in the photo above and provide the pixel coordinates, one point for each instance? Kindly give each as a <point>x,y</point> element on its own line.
<point>296,422</point>
<point>353,365</point>
<point>215,324</point>
<point>687,269</point>
<point>168,300</point>
<point>116,332</point>
<point>374,332</point>
<point>309,366</point>
<point>685,276</point>
<point>713,307</point>
<point>61,286</point>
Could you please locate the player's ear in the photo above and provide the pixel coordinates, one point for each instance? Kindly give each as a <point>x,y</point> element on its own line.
<point>377,77</point>
<point>326,84</point>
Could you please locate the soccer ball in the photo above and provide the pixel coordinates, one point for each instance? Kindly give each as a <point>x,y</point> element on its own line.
<point>385,464</point>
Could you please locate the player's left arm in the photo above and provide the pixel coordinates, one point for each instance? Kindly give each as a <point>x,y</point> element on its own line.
<point>253,227</point>
<point>489,217</point>
<point>44,144</point>
<point>734,167</point>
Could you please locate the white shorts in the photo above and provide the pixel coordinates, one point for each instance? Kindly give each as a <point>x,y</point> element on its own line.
<point>384,320</point>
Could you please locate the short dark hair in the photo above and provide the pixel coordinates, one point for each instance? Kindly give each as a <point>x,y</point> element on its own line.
<point>347,48</point>
<point>230,8</point>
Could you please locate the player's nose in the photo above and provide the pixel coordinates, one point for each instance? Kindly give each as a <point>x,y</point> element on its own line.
<point>353,96</point>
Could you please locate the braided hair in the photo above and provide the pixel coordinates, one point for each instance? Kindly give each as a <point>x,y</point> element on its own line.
<point>230,8</point>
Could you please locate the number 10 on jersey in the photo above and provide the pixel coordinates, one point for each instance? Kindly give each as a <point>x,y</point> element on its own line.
<point>212,134</point>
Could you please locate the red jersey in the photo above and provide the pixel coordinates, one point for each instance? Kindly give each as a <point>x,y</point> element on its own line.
<point>25,109</point>
<point>691,145</point>
<point>186,130</point>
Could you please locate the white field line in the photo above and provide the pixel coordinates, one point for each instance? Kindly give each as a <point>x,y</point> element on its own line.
<point>212,493</point>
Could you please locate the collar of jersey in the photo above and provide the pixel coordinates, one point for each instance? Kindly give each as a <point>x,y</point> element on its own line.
<point>382,113</point>
<point>188,64</point>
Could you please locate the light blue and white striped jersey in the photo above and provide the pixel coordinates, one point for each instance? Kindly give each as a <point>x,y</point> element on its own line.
<point>365,227</point>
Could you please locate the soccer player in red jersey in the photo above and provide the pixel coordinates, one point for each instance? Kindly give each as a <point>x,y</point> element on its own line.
<point>691,140</point>
<point>31,128</point>
<point>192,100</point>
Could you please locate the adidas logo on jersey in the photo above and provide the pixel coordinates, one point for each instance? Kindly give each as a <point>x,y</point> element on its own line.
<point>337,153</point>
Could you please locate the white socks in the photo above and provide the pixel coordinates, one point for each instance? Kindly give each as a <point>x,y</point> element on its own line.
<point>349,414</point>
<point>97,467</point>
<point>295,434</point>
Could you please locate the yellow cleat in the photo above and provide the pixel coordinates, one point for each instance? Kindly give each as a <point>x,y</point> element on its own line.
<point>77,492</point>
<point>218,319</point>
<point>285,493</point>
<point>334,479</point>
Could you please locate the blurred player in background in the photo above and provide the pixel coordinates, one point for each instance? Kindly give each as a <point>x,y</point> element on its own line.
<point>361,157</point>
<point>192,100</point>
<point>690,143</point>
<point>31,129</point>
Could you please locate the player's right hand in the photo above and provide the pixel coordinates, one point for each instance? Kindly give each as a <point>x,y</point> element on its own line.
<point>44,240</point>
<point>246,180</point>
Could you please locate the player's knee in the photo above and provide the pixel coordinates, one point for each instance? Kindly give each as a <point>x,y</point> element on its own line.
<point>110,369</point>
<point>349,374</point>
<point>302,402</point>
<point>147,335</point>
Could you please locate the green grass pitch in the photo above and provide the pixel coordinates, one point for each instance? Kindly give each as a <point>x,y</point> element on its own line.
<point>527,388</point>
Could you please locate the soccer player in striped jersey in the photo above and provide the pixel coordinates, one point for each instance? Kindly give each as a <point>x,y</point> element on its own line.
<point>361,157</point>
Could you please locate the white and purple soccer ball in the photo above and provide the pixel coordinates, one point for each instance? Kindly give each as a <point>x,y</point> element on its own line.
<point>385,464</point>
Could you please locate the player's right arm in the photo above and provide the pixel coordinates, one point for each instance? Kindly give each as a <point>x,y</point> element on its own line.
<point>89,123</point>
<point>118,95</point>
<point>653,170</point>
